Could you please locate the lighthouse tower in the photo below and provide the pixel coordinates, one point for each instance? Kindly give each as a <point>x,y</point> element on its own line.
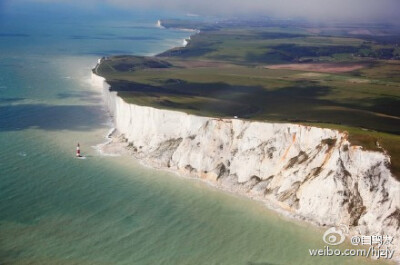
<point>78,151</point>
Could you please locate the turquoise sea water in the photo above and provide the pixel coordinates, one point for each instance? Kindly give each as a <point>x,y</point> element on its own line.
<point>55,209</point>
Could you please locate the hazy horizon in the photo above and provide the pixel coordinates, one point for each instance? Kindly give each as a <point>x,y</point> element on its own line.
<point>379,11</point>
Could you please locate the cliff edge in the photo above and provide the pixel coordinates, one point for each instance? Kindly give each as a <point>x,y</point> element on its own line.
<point>310,173</point>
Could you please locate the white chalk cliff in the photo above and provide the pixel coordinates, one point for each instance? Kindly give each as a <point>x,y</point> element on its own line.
<point>311,173</point>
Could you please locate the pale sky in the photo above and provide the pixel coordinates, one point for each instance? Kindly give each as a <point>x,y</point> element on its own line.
<point>358,10</point>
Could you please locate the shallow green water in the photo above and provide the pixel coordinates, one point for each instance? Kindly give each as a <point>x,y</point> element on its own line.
<point>55,209</point>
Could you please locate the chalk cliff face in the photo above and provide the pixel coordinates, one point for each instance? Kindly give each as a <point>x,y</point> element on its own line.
<point>311,173</point>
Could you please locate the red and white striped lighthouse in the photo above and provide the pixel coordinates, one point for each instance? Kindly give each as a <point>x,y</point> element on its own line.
<point>78,151</point>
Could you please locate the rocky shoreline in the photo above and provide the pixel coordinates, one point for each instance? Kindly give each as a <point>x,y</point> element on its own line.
<point>308,173</point>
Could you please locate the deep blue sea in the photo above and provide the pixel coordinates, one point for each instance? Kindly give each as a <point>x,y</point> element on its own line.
<point>55,209</point>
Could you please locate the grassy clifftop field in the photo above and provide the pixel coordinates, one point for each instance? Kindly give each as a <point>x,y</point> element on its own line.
<point>342,78</point>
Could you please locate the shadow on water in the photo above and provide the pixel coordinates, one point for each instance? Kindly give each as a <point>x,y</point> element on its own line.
<point>16,35</point>
<point>50,117</point>
<point>110,37</point>
<point>261,263</point>
<point>10,100</point>
<point>84,96</point>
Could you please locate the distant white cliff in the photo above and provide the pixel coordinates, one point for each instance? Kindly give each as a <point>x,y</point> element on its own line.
<point>159,24</point>
<point>307,172</point>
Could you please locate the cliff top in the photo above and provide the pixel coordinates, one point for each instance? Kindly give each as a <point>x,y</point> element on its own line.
<point>324,77</point>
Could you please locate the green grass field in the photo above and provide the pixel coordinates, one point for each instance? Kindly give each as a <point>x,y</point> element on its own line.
<point>274,74</point>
